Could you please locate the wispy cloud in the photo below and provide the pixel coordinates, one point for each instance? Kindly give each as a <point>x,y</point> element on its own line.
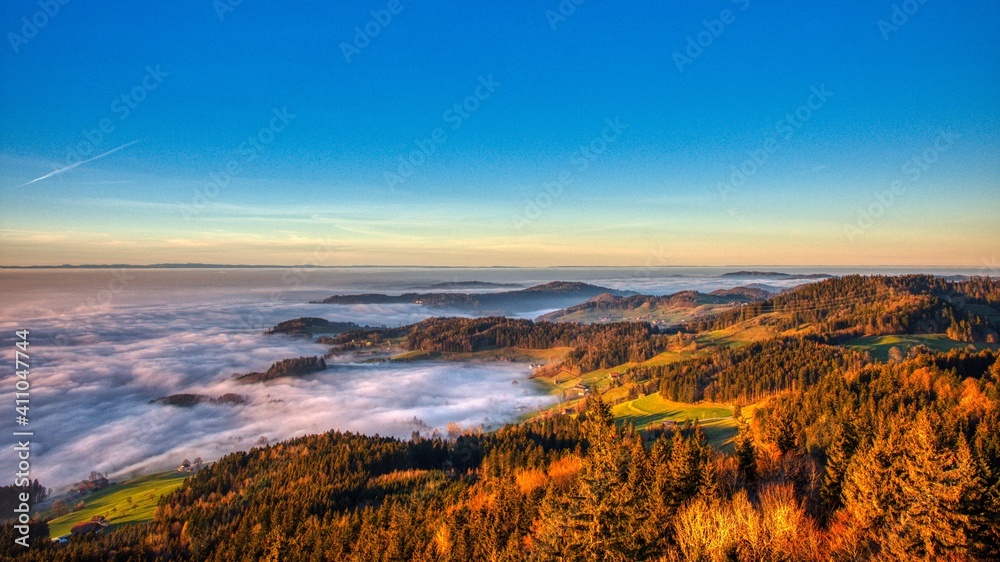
<point>75,164</point>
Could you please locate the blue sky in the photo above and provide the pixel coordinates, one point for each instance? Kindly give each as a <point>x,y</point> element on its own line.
<point>504,180</point>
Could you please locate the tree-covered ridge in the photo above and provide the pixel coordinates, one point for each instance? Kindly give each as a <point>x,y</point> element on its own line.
<point>842,458</point>
<point>748,373</point>
<point>308,326</point>
<point>681,300</point>
<point>873,305</point>
<point>189,400</point>
<point>880,461</point>
<point>555,293</point>
<point>832,310</point>
<point>506,495</point>
<point>595,346</point>
<point>295,367</point>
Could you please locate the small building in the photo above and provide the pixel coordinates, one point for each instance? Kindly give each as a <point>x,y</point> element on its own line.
<point>96,525</point>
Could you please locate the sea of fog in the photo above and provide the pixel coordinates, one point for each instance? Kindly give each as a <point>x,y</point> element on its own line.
<point>105,342</point>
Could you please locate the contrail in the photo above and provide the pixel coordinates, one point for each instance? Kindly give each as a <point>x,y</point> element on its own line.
<point>74,165</point>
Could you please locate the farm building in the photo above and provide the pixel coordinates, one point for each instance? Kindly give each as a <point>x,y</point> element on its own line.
<point>95,525</point>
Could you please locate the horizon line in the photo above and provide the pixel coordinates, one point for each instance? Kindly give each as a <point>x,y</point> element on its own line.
<point>196,265</point>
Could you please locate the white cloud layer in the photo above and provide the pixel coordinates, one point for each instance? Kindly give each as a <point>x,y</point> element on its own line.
<point>104,343</point>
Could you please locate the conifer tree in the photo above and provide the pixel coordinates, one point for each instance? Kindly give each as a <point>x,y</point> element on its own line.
<point>596,522</point>
<point>903,495</point>
<point>838,456</point>
<point>746,452</point>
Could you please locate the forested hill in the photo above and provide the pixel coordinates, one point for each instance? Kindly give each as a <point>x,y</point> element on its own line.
<point>556,294</point>
<point>595,346</point>
<point>836,455</point>
<point>872,305</point>
<point>886,461</point>
<point>652,307</point>
<point>310,326</point>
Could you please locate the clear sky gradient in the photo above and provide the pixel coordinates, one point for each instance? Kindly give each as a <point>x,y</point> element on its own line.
<point>630,133</point>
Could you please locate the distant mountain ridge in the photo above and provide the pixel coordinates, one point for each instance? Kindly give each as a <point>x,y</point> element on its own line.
<point>473,285</point>
<point>749,293</point>
<point>310,326</point>
<point>777,275</point>
<point>556,294</point>
<point>666,308</point>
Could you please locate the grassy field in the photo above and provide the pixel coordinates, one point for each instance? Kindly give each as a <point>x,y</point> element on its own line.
<point>735,336</point>
<point>645,313</point>
<point>418,355</point>
<point>879,346</point>
<point>654,409</point>
<point>515,354</point>
<point>133,501</point>
<point>716,420</point>
<point>667,357</point>
<point>720,433</point>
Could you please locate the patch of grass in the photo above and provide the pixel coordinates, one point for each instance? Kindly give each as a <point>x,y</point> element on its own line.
<point>613,395</point>
<point>545,385</point>
<point>512,354</point>
<point>879,346</point>
<point>133,501</point>
<point>602,377</point>
<point>667,357</point>
<point>754,329</point>
<point>669,314</point>
<point>720,433</point>
<point>418,355</point>
<point>520,354</point>
<point>653,409</point>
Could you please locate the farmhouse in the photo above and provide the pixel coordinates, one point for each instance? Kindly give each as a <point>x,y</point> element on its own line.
<point>96,524</point>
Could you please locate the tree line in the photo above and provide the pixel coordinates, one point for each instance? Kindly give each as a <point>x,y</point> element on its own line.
<point>856,305</point>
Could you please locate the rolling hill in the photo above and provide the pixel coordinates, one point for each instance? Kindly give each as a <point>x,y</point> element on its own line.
<point>660,310</point>
<point>549,295</point>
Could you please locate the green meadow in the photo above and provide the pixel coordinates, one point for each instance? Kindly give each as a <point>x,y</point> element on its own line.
<point>879,346</point>
<point>653,409</point>
<point>133,501</point>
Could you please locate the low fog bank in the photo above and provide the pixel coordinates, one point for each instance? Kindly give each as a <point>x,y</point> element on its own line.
<point>104,343</point>
<point>94,373</point>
